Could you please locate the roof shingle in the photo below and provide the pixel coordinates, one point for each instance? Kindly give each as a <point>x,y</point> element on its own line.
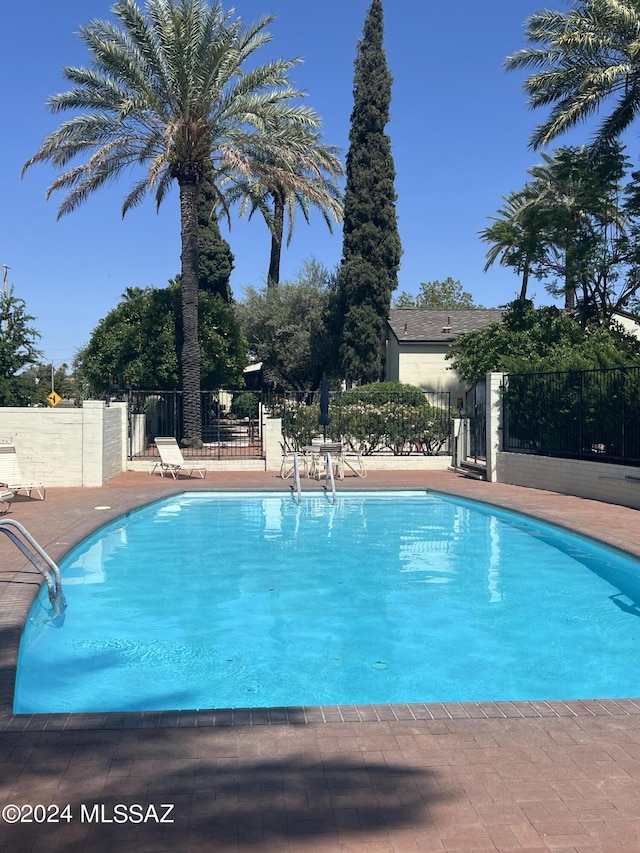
<point>423,324</point>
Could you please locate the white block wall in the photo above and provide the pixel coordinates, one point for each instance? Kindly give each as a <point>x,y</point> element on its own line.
<point>67,446</point>
<point>595,480</point>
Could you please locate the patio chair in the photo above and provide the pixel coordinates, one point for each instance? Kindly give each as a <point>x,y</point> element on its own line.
<point>341,457</point>
<point>5,500</point>
<point>353,459</point>
<point>10,476</point>
<point>319,459</point>
<point>287,466</point>
<point>172,460</point>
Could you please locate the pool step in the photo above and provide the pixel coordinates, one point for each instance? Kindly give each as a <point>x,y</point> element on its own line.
<point>474,470</point>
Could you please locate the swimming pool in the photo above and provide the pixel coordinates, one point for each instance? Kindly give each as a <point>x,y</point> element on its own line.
<point>250,600</point>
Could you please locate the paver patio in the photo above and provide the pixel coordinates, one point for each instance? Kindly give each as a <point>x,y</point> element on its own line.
<point>562,776</point>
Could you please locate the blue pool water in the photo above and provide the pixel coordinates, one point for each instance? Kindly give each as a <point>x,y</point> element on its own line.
<point>249,600</point>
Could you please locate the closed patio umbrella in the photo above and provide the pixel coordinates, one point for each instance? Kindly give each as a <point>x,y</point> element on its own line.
<point>323,418</point>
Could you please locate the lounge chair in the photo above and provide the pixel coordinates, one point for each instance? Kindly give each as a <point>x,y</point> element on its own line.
<point>11,478</point>
<point>5,500</point>
<point>172,460</point>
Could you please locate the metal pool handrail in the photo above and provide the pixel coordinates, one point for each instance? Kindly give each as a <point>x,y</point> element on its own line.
<point>32,551</point>
<point>329,475</point>
<point>296,476</point>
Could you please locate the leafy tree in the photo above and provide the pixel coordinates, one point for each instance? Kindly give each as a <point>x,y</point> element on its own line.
<point>543,339</point>
<point>245,405</point>
<point>437,296</point>
<point>581,59</point>
<point>170,88</point>
<point>371,242</point>
<point>288,328</point>
<point>405,300</point>
<point>139,342</point>
<point>277,189</point>
<point>17,351</point>
<point>63,383</point>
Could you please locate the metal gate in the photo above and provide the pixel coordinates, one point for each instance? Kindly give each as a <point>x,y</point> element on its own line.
<point>475,409</point>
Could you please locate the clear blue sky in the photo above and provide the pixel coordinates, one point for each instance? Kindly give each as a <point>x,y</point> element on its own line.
<point>460,127</point>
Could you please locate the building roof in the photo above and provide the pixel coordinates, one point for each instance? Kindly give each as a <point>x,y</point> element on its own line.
<point>423,324</point>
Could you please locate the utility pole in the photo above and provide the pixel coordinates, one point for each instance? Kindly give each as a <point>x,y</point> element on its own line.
<point>5,290</point>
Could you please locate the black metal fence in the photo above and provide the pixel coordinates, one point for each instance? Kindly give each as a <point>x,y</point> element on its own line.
<point>399,423</point>
<point>475,409</point>
<point>581,414</point>
<point>230,423</point>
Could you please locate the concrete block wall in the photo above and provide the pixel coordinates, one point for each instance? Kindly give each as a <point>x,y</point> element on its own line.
<point>104,432</point>
<point>617,484</point>
<point>48,442</point>
<point>67,446</point>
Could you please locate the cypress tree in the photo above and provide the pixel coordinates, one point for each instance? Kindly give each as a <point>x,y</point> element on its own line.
<point>371,243</point>
<point>215,258</point>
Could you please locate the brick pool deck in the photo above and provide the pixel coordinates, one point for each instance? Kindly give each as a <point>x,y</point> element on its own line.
<point>561,776</point>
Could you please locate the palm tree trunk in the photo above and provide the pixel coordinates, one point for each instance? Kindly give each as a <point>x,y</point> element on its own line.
<point>569,283</point>
<point>273,278</point>
<point>570,265</point>
<point>525,281</point>
<point>190,356</point>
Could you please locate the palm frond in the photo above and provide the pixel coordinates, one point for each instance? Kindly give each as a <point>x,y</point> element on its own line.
<point>581,59</point>
<point>168,85</point>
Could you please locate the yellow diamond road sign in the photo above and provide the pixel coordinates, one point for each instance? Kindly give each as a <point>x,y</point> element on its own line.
<point>54,398</point>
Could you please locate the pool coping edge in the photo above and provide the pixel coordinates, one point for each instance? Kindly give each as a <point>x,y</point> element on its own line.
<point>319,714</point>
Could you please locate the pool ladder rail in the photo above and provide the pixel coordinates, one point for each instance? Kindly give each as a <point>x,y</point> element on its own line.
<point>329,476</point>
<point>296,476</point>
<point>38,558</point>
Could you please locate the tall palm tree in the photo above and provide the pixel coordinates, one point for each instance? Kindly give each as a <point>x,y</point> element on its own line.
<point>582,58</point>
<point>167,90</point>
<point>278,185</point>
<point>514,237</point>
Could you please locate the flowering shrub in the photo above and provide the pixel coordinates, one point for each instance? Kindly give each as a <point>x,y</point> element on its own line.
<point>299,423</point>
<point>385,419</point>
<point>433,428</point>
<point>400,428</point>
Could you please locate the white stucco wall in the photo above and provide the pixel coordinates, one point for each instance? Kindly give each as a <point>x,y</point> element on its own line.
<point>629,325</point>
<point>425,365</point>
